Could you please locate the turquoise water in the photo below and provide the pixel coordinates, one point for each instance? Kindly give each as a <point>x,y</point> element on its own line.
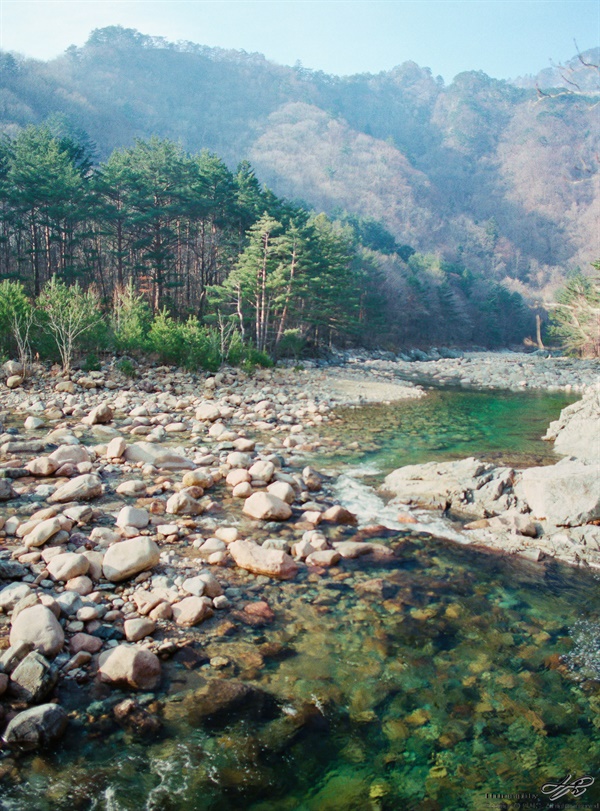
<point>448,424</point>
<point>426,682</point>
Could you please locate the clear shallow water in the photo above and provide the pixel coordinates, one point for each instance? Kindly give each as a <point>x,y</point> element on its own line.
<point>504,427</point>
<point>425,682</point>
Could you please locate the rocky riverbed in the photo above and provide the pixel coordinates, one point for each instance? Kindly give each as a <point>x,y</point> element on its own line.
<point>138,513</point>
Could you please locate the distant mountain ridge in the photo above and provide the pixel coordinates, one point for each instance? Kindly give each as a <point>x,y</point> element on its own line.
<point>489,173</point>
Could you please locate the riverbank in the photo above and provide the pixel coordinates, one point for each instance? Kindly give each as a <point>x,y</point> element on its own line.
<point>140,515</point>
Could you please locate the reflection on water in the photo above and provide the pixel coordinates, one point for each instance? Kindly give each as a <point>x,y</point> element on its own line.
<point>424,683</point>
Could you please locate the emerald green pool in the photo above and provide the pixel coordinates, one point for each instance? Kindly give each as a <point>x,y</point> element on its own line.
<point>505,427</point>
<point>425,682</point>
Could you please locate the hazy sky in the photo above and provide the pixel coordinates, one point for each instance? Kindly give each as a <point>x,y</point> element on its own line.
<point>504,38</point>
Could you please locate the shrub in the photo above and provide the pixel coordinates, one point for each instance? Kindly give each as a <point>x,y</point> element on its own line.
<point>126,367</point>
<point>164,338</point>
<point>16,321</point>
<point>72,318</point>
<point>130,321</point>
<point>291,344</point>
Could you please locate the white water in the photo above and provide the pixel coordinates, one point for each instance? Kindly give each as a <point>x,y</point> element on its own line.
<point>362,500</point>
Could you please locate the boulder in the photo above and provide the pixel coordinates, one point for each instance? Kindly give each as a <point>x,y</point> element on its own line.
<point>33,679</point>
<point>339,515</point>
<point>68,565</point>
<point>207,412</point>
<point>266,507</point>
<point>69,455</point>
<point>282,490</point>
<point>197,478</point>
<point>42,532</point>
<point>138,628</point>
<point>128,664</point>
<point>262,471</point>
<point>566,494</point>
<point>128,558</point>
<point>41,466</point>
<point>38,625</point>
<point>7,491</point>
<point>191,611</point>
<point>99,415</point>
<point>11,594</point>
<point>81,488</point>
<point>271,562</point>
<point>132,487</point>
<point>116,448</point>
<point>14,381</point>
<point>325,557</point>
<point>133,517</point>
<point>152,454</point>
<point>575,432</point>
<point>468,486</point>
<point>38,726</point>
<point>183,504</point>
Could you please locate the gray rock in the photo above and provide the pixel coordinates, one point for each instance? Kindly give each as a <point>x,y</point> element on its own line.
<point>38,726</point>
<point>33,679</point>
<point>13,655</point>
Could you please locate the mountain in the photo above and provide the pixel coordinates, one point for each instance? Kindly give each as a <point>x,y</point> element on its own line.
<point>495,176</point>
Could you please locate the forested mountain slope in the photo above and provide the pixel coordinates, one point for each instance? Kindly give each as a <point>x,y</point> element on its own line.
<point>493,177</point>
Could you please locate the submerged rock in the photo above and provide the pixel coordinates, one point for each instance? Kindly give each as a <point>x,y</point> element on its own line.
<point>38,726</point>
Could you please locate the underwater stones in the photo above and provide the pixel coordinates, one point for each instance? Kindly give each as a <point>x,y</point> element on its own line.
<point>128,558</point>
<point>220,698</point>
<point>36,727</point>
<point>38,625</point>
<point>128,664</point>
<point>266,507</point>
<point>270,562</point>
<point>81,488</point>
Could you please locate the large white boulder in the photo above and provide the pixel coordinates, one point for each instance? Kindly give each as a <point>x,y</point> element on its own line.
<point>152,454</point>
<point>128,664</point>
<point>566,494</point>
<point>266,507</point>
<point>38,625</point>
<point>270,562</point>
<point>81,488</point>
<point>128,558</point>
